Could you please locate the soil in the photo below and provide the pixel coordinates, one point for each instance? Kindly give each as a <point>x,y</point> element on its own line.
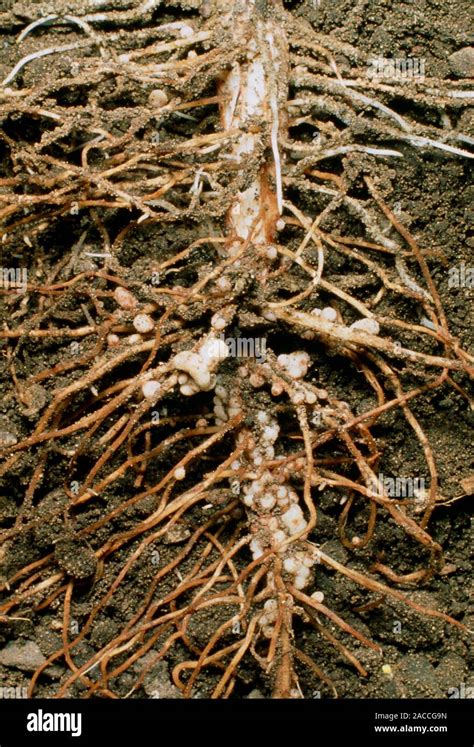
<point>421,656</point>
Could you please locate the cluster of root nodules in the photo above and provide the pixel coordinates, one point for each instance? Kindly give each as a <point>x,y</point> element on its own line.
<point>165,435</point>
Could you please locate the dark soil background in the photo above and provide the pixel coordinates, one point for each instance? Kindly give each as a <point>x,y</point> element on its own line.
<point>422,657</point>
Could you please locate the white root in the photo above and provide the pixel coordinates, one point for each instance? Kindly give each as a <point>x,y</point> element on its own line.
<point>43,53</point>
<point>252,92</point>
